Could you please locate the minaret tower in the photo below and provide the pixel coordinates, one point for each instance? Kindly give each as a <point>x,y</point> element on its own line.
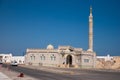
<point>90,31</point>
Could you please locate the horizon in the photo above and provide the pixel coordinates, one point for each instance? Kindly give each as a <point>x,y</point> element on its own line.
<point>36,24</point>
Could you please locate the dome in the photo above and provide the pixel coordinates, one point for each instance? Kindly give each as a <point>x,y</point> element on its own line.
<point>50,47</point>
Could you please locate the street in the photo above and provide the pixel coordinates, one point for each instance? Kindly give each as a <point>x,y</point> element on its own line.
<point>70,74</point>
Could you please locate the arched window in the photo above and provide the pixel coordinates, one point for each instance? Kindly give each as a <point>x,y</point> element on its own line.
<point>34,57</point>
<point>30,57</point>
<point>42,57</point>
<point>53,57</point>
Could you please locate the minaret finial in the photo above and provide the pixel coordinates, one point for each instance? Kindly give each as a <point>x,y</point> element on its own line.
<point>91,9</point>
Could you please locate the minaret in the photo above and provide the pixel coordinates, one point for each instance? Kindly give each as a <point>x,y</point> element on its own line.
<point>90,31</point>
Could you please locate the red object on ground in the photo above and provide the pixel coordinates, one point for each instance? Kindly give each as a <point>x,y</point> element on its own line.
<point>21,75</point>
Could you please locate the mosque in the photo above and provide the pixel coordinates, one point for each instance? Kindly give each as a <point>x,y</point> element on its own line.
<point>64,56</point>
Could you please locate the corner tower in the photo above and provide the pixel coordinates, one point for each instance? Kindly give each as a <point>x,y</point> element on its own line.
<point>90,48</point>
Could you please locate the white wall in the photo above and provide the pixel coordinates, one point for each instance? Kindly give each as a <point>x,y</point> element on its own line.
<point>106,58</point>
<point>19,59</point>
<point>6,58</point>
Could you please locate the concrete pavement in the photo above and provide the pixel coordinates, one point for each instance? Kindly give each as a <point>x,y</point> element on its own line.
<point>4,77</point>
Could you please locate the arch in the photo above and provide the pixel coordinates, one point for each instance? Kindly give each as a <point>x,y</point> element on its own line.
<point>69,60</point>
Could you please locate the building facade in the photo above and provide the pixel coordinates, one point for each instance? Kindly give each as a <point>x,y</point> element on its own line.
<point>105,58</point>
<point>18,59</point>
<point>5,58</point>
<point>64,56</point>
<point>8,58</point>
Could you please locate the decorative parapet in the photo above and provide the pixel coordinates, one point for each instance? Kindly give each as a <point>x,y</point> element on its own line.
<point>65,48</point>
<point>88,53</point>
<point>41,51</point>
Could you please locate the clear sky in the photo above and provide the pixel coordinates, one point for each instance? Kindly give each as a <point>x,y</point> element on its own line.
<point>37,23</point>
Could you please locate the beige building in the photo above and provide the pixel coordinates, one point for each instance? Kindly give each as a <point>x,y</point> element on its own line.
<point>64,56</point>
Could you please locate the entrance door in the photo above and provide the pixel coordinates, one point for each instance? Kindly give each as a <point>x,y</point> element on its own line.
<point>69,60</point>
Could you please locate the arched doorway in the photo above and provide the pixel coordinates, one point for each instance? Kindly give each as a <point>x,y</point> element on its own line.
<point>69,60</point>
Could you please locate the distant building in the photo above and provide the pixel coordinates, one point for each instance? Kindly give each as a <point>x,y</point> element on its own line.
<point>106,58</point>
<point>18,59</point>
<point>8,58</point>
<point>5,58</point>
<point>64,56</point>
<point>108,62</point>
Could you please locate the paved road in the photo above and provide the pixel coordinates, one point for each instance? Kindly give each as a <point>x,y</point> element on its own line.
<point>72,74</point>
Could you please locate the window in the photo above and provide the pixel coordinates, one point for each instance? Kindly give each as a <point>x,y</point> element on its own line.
<point>42,57</point>
<point>86,60</point>
<point>53,58</point>
<point>34,57</point>
<point>30,57</point>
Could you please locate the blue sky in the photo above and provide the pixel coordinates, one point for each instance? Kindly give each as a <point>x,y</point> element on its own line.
<point>37,23</point>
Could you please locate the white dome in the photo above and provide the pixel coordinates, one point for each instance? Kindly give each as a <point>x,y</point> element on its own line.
<point>50,47</point>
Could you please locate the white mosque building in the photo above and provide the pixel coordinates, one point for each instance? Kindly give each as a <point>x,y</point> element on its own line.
<point>64,56</point>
